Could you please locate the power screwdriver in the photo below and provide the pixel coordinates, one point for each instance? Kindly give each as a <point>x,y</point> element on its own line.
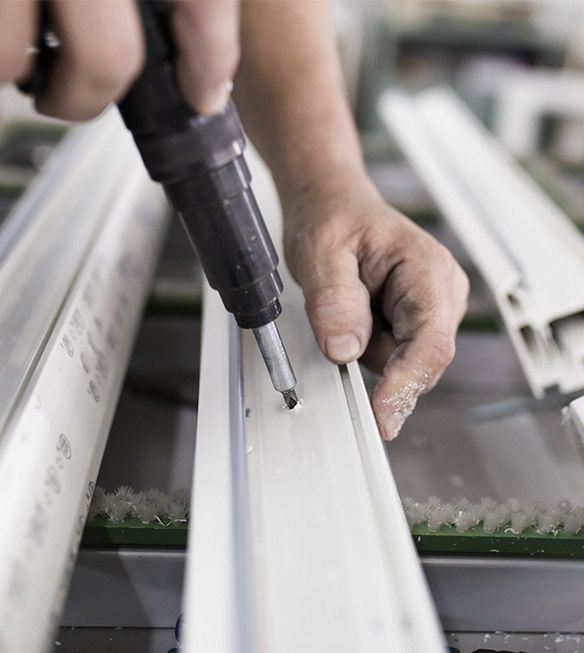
<point>200,163</point>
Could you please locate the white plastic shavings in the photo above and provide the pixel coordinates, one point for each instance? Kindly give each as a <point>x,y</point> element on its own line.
<point>548,521</point>
<point>415,512</point>
<point>574,521</point>
<point>145,508</point>
<point>496,517</point>
<point>152,505</point>
<point>98,504</point>
<point>511,516</point>
<point>441,515</point>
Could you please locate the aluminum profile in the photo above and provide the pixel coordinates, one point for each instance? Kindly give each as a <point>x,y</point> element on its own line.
<point>298,541</point>
<point>530,254</point>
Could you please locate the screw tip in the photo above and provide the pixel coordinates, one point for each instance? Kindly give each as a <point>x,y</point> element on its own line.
<point>291,398</point>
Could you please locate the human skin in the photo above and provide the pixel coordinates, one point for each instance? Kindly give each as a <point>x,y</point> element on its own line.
<point>102,51</point>
<point>376,286</point>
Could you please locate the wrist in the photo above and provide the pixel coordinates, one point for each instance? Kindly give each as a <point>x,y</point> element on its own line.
<point>327,194</point>
<point>321,189</point>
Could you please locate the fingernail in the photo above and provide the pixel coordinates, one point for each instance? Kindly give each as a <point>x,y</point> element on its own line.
<point>217,99</point>
<point>342,349</point>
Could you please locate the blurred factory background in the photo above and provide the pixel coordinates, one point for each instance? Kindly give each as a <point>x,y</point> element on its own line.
<point>518,65</point>
<point>481,50</point>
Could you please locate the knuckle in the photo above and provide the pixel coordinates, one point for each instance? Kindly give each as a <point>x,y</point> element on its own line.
<point>454,277</point>
<point>325,238</point>
<point>465,283</point>
<point>442,349</point>
<point>437,253</point>
<point>444,257</point>
<point>107,71</point>
<point>460,289</point>
<point>338,300</point>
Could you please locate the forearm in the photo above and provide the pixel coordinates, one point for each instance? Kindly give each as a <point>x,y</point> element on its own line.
<point>291,96</point>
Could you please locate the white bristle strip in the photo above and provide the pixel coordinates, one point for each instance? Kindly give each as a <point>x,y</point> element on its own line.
<point>511,516</point>
<point>147,506</point>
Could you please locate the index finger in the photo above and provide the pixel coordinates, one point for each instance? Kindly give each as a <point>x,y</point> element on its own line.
<point>424,312</point>
<point>413,369</point>
<point>424,299</point>
<point>207,35</point>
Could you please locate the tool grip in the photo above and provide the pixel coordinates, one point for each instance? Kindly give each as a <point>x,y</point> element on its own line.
<point>199,160</point>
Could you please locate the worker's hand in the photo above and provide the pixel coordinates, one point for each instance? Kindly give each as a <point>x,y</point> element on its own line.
<point>102,51</point>
<point>376,287</point>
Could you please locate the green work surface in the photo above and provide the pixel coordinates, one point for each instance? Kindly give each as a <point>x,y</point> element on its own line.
<point>10,191</point>
<point>104,533</point>
<point>19,137</point>
<point>448,541</point>
<point>101,532</point>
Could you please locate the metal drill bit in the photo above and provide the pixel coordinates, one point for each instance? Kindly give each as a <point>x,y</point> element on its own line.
<point>277,361</point>
<point>291,398</point>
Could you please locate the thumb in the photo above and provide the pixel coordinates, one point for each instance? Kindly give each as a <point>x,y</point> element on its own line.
<point>337,303</point>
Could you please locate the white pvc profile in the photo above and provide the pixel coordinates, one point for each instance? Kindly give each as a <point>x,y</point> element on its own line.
<point>528,251</point>
<point>575,415</point>
<point>45,239</point>
<point>297,537</point>
<point>52,445</point>
<point>524,99</point>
